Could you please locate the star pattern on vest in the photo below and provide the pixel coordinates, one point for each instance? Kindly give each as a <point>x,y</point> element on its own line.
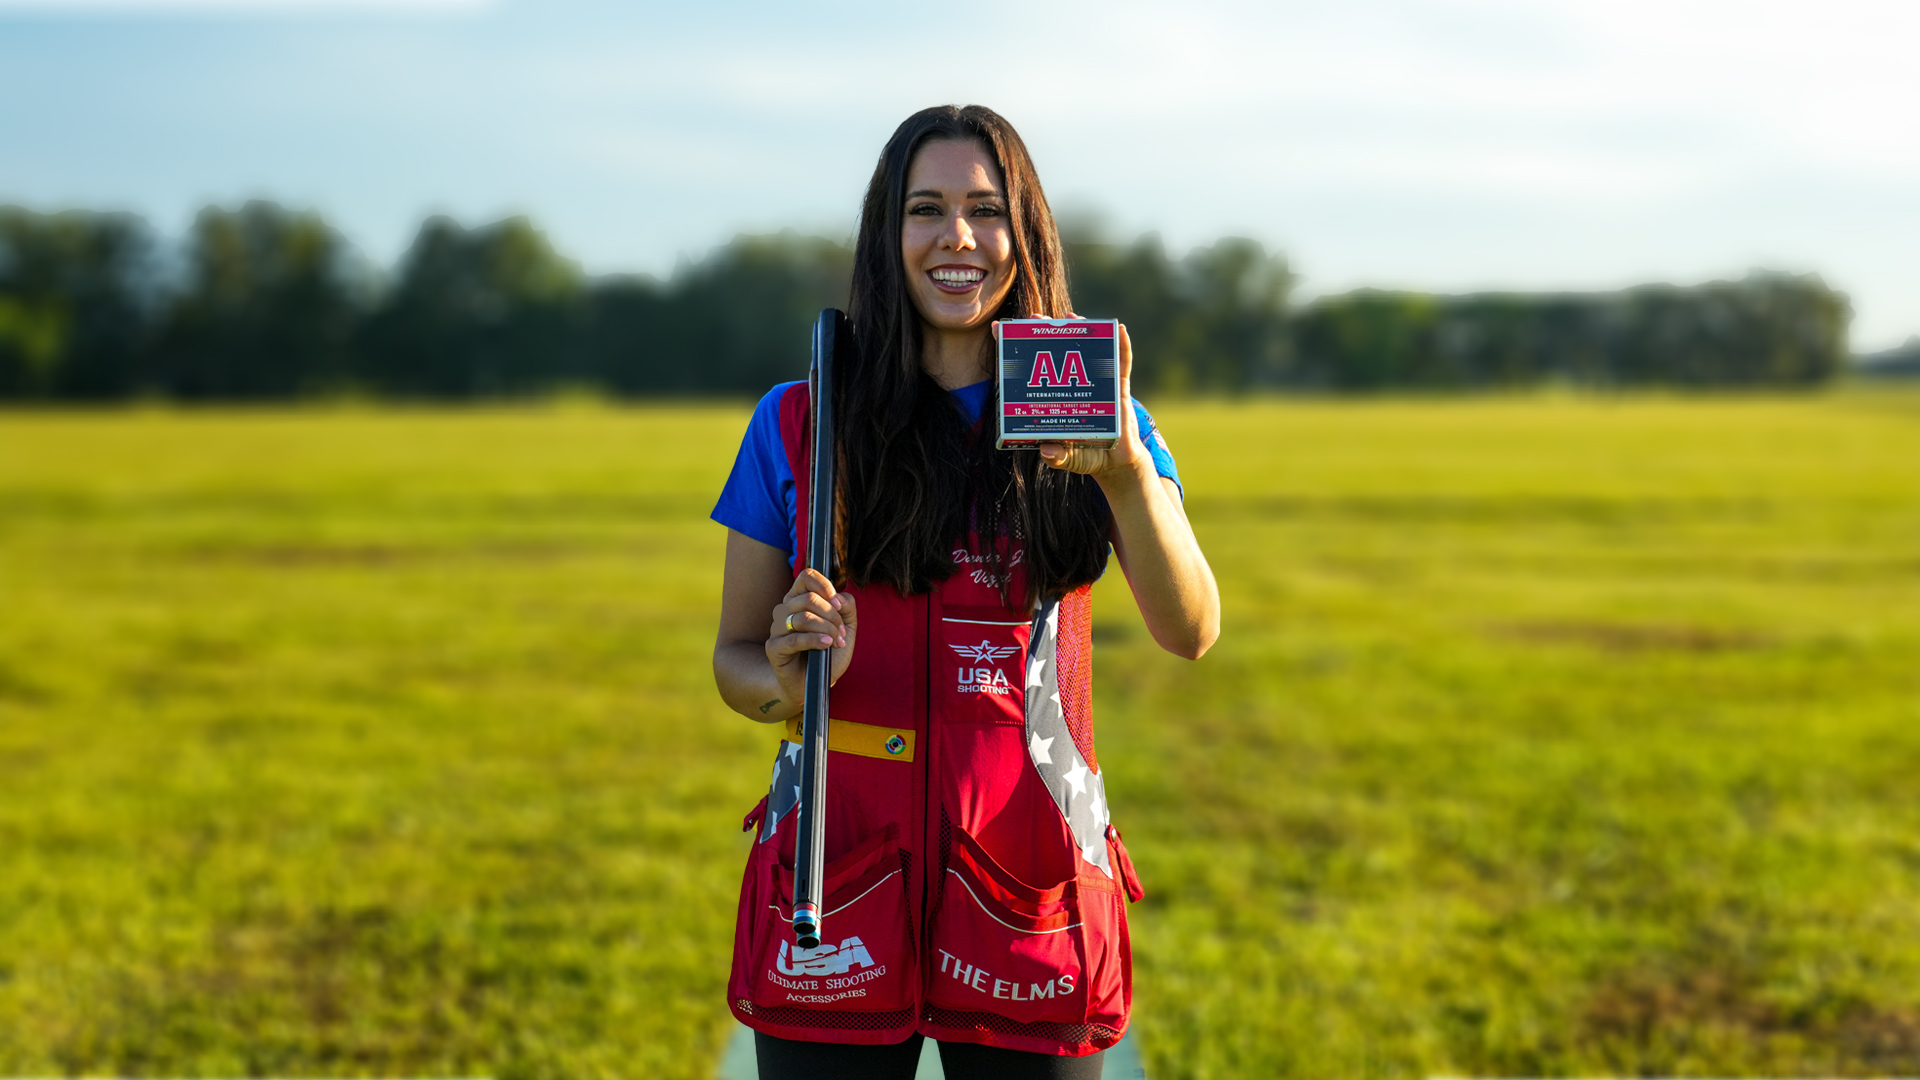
<point>1076,776</point>
<point>1037,746</point>
<point>1078,791</point>
<point>783,789</point>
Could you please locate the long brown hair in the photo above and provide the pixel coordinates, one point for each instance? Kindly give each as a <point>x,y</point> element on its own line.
<point>913,475</point>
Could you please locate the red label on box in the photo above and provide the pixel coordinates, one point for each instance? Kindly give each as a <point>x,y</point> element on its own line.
<point>1060,410</point>
<point>1077,328</point>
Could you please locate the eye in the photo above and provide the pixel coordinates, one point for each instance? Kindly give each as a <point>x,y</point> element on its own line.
<point>924,210</point>
<point>988,210</point>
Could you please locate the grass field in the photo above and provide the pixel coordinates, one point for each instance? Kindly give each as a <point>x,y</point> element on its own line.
<point>1545,737</point>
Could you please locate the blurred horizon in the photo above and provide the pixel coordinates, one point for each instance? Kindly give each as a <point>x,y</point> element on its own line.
<point>1448,147</point>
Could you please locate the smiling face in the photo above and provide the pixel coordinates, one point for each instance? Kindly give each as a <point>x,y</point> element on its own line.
<point>956,236</point>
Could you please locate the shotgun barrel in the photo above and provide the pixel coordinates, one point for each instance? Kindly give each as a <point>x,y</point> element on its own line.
<point>829,336</point>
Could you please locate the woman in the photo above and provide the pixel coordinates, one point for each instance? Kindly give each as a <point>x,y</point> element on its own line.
<point>975,891</point>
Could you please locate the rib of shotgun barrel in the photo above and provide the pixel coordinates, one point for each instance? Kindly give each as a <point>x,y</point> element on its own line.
<point>829,335</point>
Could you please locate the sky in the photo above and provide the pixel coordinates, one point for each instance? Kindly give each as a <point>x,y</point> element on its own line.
<point>1448,145</point>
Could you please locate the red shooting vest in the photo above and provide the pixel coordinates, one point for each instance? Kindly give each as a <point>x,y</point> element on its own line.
<point>975,891</point>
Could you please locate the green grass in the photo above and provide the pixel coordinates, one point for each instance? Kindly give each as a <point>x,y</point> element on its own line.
<point>1545,737</point>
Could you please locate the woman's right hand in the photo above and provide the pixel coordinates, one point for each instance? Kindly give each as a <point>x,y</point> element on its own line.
<point>820,617</point>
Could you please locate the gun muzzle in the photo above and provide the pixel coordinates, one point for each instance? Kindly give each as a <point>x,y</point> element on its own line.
<point>806,926</point>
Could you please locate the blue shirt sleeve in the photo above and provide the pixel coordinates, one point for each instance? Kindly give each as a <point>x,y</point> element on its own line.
<point>1157,446</point>
<point>759,497</point>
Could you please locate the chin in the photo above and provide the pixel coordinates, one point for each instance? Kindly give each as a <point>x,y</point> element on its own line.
<point>950,316</point>
<point>953,313</point>
<point>975,320</point>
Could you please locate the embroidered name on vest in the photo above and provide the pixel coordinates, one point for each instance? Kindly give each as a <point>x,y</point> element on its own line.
<point>979,978</point>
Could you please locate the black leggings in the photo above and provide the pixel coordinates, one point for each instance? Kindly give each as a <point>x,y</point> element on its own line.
<point>788,1059</point>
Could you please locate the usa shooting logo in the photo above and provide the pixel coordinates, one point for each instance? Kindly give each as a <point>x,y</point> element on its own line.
<point>824,960</point>
<point>827,974</point>
<point>984,680</point>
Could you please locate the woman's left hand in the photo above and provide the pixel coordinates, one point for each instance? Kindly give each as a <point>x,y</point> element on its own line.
<point>1128,456</point>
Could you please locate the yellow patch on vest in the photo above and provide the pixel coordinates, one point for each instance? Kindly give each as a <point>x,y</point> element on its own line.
<point>867,740</point>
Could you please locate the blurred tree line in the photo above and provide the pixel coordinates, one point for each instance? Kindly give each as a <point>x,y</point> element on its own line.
<point>262,302</point>
<point>1764,330</point>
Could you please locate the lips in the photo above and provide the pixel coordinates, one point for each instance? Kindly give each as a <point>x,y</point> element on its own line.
<point>957,279</point>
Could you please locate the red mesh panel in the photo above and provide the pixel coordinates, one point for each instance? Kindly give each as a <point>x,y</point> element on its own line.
<point>826,1018</point>
<point>1099,1035</point>
<point>1075,671</point>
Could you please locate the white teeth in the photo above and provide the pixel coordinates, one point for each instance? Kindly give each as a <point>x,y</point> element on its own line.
<point>959,277</point>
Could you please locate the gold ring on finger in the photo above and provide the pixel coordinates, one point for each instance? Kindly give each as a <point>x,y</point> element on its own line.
<point>790,622</point>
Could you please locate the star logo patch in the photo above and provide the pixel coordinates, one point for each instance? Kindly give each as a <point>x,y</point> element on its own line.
<point>986,651</point>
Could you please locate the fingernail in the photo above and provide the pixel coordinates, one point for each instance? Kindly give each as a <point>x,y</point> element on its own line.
<point>825,640</point>
<point>838,603</point>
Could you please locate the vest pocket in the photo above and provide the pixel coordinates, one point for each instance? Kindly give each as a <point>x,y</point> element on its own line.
<point>865,960</point>
<point>1032,955</point>
<point>978,670</point>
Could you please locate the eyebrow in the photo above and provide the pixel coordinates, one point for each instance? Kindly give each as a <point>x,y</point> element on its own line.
<point>930,193</point>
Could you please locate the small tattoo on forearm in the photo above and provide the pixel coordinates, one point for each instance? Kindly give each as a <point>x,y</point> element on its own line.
<point>769,705</point>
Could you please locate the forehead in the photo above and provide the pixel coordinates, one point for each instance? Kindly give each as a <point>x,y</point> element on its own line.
<point>953,167</point>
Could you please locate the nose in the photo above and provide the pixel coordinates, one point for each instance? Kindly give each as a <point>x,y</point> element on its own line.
<point>958,235</point>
